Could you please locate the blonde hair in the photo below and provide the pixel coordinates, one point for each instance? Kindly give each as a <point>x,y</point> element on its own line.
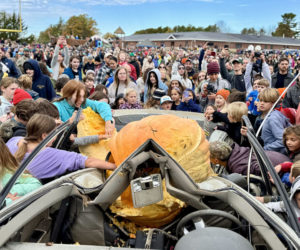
<point>7,160</point>
<point>263,82</point>
<point>129,90</point>
<point>295,170</point>
<point>25,81</point>
<point>236,110</point>
<point>268,95</point>
<point>7,81</point>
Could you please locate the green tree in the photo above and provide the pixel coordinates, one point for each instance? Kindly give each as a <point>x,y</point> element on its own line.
<point>249,31</point>
<point>287,27</point>
<point>109,35</point>
<point>11,21</point>
<point>81,26</point>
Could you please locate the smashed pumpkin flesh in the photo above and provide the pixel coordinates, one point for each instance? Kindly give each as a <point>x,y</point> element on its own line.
<point>182,138</point>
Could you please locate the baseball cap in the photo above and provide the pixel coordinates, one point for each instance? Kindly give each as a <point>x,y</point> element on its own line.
<point>238,60</point>
<point>107,54</point>
<point>165,98</point>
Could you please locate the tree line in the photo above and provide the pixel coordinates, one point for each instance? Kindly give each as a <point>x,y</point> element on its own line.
<point>83,26</point>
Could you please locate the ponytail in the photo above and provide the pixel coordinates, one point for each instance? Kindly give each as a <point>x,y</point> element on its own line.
<point>22,150</point>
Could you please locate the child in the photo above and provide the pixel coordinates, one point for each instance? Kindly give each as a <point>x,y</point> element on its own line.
<point>89,84</point>
<point>273,128</point>
<point>295,193</point>
<point>99,96</point>
<point>154,100</point>
<point>176,96</point>
<point>232,120</point>
<point>131,100</point>
<point>291,140</point>
<point>252,98</point>
<point>176,83</point>
<point>25,83</point>
<point>208,126</point>
<point>8,165</point>
<point>220,100</point>
<point>166,102</point>
<point>188,102</point>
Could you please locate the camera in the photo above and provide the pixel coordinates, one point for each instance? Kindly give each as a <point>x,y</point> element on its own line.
<point>257,54</point>
<point>211,89</point>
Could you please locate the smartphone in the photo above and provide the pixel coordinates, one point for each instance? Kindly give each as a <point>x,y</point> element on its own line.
<point>185,94</point>
<point>210,44</point>
<point>226,46</point>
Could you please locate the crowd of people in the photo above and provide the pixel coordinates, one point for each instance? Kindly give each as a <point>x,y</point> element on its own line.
<point>44,85</point>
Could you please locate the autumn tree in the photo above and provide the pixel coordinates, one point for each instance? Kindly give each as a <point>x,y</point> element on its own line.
<point>287,27</point>
<point>81,26</point>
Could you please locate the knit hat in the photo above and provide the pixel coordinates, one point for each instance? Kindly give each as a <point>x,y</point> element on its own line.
<point>212,68</point>
<point>220,150</point>
<point>20,95</point>
<point>90,71</point>
<point>224,93</point>
<point>176,78</point>
<point>158,93</point>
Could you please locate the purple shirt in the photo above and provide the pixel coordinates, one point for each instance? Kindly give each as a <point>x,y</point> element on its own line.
<point>50,162</point>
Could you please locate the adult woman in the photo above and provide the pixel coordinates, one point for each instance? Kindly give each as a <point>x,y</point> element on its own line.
<point>186,82</point>
<point>74,97</point>
<point>73,71</point>
<point>50,162</point>
<point>120,84</point>
<point>152,83</point>
<point>60,61</point>
<point>8,87</point>
<point>8,166</point>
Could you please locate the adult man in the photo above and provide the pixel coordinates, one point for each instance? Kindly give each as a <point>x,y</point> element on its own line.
<point>10,67</point>
<point>292,97</point>
<point>189,68</point>
<point>134,62</point>
<point>103,72</point>
<point>282,78</point>
<point>25,56</point>
<point>237,78</point>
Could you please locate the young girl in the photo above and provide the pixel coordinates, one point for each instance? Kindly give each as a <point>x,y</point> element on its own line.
<point>188,102</point>
<point>131,100</point>
<point>176,96</point>
<point>8,166</point>
<point>291,140</point>
<point>120,100</point>
<point>176,82</point>
<point>50,162</point>
<point>220,101</point>
<point>99,96</point>
<point>73,71</point>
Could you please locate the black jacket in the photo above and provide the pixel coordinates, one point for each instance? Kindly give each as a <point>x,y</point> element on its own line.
<point>287,79</point>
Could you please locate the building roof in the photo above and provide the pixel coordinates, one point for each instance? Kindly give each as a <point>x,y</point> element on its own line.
<point>119,31</point>
<point>214,36</point>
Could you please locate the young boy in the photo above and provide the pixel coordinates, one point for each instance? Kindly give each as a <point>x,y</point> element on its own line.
<point>89,84</point>
<point>166,102</point>
<point>232,120</point>
<point>273,128</point>
<point>252,98</point>
<point>295,193</point>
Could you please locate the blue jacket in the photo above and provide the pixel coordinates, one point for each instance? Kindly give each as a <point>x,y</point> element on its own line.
<point>66,110</point>
<point>272,132</point>
<point>68,71</point>
<point>252,107</point>
<point>189,106</point>
<point>40,82</point>
<point>13,71</point>
<point>161,85</point>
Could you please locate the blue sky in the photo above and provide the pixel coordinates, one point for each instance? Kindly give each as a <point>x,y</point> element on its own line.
<point>134,15</point>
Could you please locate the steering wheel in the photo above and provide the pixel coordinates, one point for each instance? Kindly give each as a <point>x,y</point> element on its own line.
<point>203,213</point>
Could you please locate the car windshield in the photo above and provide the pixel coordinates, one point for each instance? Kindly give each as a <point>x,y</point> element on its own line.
<point>109,102</point>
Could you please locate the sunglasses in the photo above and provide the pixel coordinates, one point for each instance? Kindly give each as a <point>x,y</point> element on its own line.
<point>162,67</point>
<point>180,67</point>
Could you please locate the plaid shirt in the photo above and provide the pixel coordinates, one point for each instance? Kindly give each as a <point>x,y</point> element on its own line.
<point>100,78</point>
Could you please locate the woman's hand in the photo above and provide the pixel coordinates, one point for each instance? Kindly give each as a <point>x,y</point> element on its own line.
<point>109,128</point>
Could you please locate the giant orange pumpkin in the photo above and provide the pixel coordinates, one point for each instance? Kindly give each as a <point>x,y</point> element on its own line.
<point>182,138</point>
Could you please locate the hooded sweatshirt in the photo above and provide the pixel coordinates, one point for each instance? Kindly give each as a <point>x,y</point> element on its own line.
<point>161,85</point>
<point>5,105</point>
<point>279,206</point>
<point>40,82</point>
